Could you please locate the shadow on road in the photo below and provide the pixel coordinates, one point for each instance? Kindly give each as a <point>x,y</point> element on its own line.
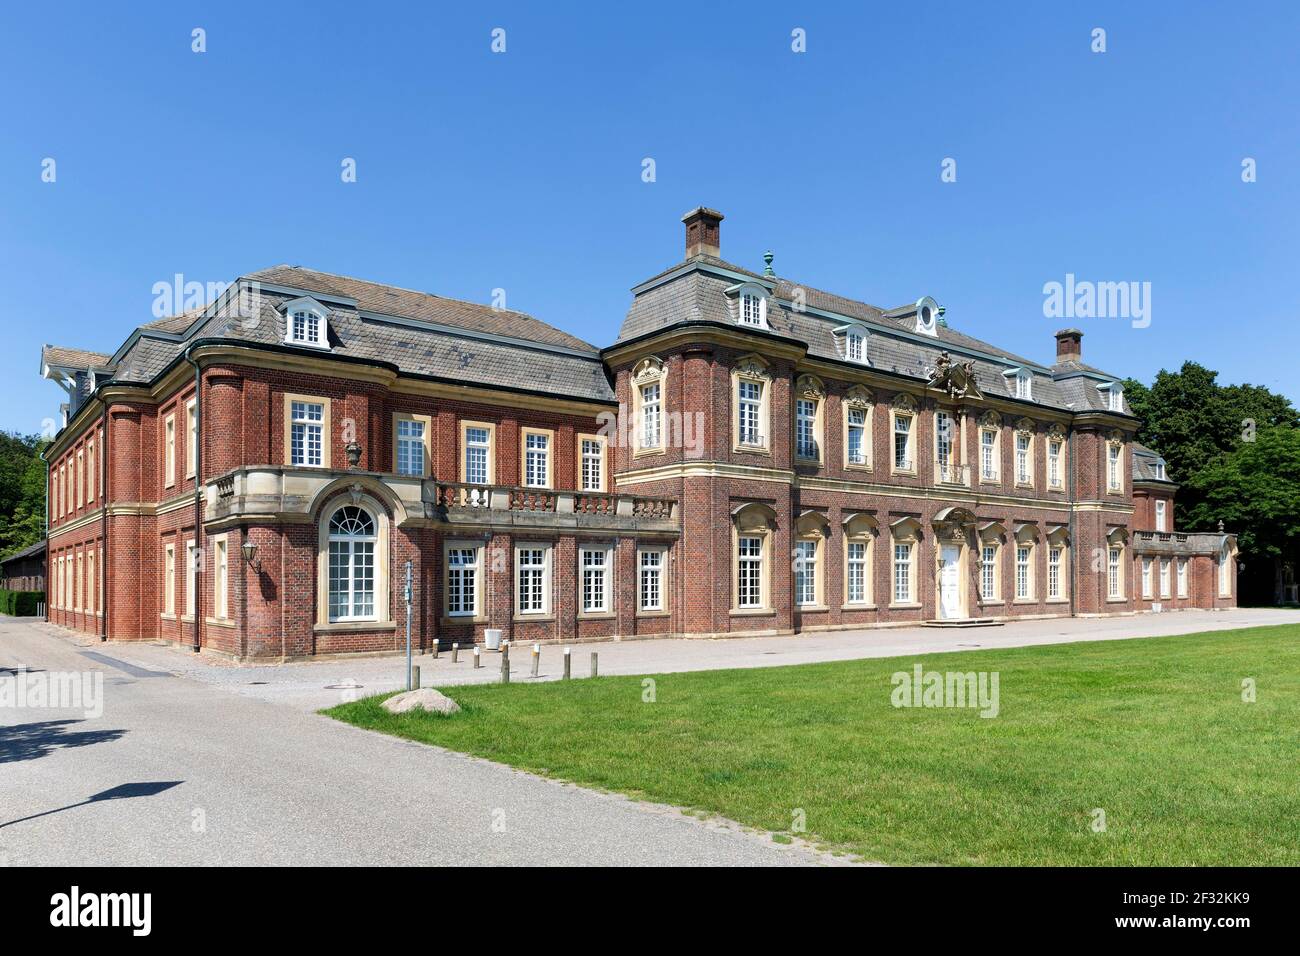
<point>121,792</point>
<point>29,741</point>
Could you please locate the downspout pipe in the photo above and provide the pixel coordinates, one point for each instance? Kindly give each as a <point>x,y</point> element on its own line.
<point>1074,541</point>
<point>198,499</point>
<point>103,527</point>
<point>47,533</point>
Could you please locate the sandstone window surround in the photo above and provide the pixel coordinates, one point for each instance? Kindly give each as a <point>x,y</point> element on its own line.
<point>462,581</point>
<point>652,580</point>
<point>478,459</point>
<point>169,451</point>
<point>753,527</point>
<point>810,402</point>
<point>903,417</point>
<point>1116,585</point>
<point>990,536</point>
<point>307,436</point>
<point>1115,463</point>
<point>220,547</point>
<point>947,446</point>
<point>591,452</point>
<point>649,388</point>
<point>537,457</point>
<point>751,389</point>
<point>191,438</point>
<point>860,530</point>
<point>1056,458</point>
<point>905,534</point>
<point>811,533</point>
<point>1026,557</point>
<point>595,580</point>
<point>534,561</point>
<point>1024,457</point>
<point>990,448</point>
<point>1058,563</point>
<point>858,405</point>
<point>169,581</point>
<point>412,449</point>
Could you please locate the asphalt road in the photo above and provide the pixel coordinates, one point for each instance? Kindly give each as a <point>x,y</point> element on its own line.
<point>177,771</point>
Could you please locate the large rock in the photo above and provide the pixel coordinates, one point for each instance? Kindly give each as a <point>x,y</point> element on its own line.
<point>423,698</point>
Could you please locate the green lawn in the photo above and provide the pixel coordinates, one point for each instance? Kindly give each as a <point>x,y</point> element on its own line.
<point>1153,731</point>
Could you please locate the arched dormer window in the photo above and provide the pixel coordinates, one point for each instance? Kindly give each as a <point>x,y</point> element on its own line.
<point>306,323</point>
<point>927,316</point>
<point>853,343</point>
<point>751,305</point>
<point>1113,393</point>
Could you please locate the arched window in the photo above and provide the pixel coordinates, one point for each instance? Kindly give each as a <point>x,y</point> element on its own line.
<point>352,538</point>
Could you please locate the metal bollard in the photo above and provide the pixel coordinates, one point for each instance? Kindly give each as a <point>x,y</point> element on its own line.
<point>455,652</point>
<point>593,663</point>
<point>537,657</point>
<point>434,649</point>
<point>568,658</point>
<point>505,663</point>
<point>478,659</point>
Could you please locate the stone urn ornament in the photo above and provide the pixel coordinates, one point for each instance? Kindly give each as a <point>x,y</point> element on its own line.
<point>353,450</point>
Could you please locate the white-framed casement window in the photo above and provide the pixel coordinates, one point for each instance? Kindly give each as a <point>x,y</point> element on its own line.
<point>945,440</point>
<point>192,559</point>
<point>92,476</point>
<point>478,453</point>
<point>648,380</point>
<point>1115,573</point>
<point>353,562</point>
<point>806,579</point>
<point>1160,470</point>
<point>412,444</point>
<point>904,578</point>
<point>751,308</point>
<point>594,562</point>
<point>536,458</point>
<point>855,344</point>
<point>169,451</point>
<point>1022,384</point>
<point>462,578</point>
<point>651,433</point>
<point>1148,585</point>
<point>1114,466</point>
<point>306,427</point>
<point>749,409</point>
<point>805,427</point>
<point>91,582</point>
<point>857,577</point>
<point>1055,473</point>
<point>591,462</point>
<point>990,580</point>
<point>221,577</point>
<point>1024,571</point>
<point>1056,572</point>
<point>652,579</point>
<point>81,477</point>
<point>750,554</point>
<point>169,580</point>
<point>533,579</point>
<point>904,437</point>
<point>1114,397</point>
<point>1024,457</point>
<point>191,437</point>
<point>857,428</point>
<point>1166,580</point>
<point>305,323</point>
<point>1225,570</point>
<point>79,581</point>
<point>1182,577</point>
<point>1160,514</point>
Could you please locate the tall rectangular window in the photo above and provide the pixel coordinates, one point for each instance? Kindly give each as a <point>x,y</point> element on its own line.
<point>1113,482</point>
<point>805,573</point>
<point>989,572</point>
<point>478,446</point>
<point>751,310</point>
<point>943,438</point>
<point>91,582</point>
<point>856,438</point>
<point>651,415</point>
<point>169,451</point>
<point>78,583</point>
<point>530,575</point>
<point>1165,582</point>
<point>650,584</point>
<point>91,473</point>
<point>902,442</point>
<point>1054,559</point>
<point>988,454</point>
<point>749,571</point>
<point>1114,574</point>
<point>537,460</point>
<point>903,573</point>
<point>1182,577</point>
<point>220,580</point>
<point>1054,462</point>
<point>1023,577</point>
<point>592,464</point>
<point>750,402</point>
<point>856,588</point>
<point>410,447</point>
<point>462,582</point>
<point>191,438</point>
<point>169,579</point>
<point>307,434</point>
<point>81,478</point>
<point>1148,586</point>
<point>191,576</point>
<point>595,580</point>
<point>806,428</point>
<point>1023,474</point>
<point>1160,514</point>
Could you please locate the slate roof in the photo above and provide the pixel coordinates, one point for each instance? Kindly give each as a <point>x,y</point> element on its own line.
<point>1144,464</point>
<point>699,294</point>
<point>80,359</point>
<point>419,333</point>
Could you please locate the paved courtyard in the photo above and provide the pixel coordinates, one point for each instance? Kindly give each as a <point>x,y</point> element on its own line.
<point>311,685</point>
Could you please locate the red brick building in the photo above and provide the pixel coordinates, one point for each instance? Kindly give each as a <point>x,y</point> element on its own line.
<point>751,455</point>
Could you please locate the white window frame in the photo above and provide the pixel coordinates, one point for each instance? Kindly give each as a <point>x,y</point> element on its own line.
<point>460,568</point>
<point>1024,458</point>
<point>990,578</point>
<point>1114,467</point>
<point>533,563</point>
<point>221,577</point>
<point>806,416</point>
<point>1025,571</point>
<point>909,445</point>
<point>1056,572</point>
<point>750,406</point>
<point>594,576</point>
<point>354,545</point>
<point>169,580</point>
<point>469,450</point>
<point>1055,454</point>
<point>857,566</point>
<point>751,571</point>
<point>751,308</point>
<point>591,451</point>
<point>1160,515</point>
<point>314,325</point>
<point>903,571</point>
<point>1181,573</point>
<point>169,451</point>
<point>424,443</point>
<point>1114,573</point>
<point>191,437</point>
<point>294,419</point>
<point>1148,578</point>
<point>537,457</point>
<point>807,572</point>
<point>1166,578</point>
<point>191,578</point>
<point>657,568</point>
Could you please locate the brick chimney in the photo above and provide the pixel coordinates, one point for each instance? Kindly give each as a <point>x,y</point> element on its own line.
<point>703,232</point>
<point>1069,346</point>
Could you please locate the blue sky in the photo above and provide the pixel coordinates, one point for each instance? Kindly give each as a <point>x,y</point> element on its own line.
<point>522,170</point>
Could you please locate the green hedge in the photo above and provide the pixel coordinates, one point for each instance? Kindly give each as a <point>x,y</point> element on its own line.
<point>20,603</point>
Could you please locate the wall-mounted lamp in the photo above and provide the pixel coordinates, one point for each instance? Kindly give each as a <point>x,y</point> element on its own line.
<point>250,554</point>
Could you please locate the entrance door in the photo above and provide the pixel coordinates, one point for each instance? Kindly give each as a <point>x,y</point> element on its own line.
<point>950,582</point>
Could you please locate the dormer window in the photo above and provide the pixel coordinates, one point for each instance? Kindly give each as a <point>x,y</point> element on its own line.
<point>306,324</point>
<point>1115,398</point>
<point>927,316</point>
<point>854,341</point>
<point>753,310</point>
<point>1160,470</point>
<point>1023,385</point>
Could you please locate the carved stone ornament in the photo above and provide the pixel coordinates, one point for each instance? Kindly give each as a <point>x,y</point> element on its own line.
<point>810,386</point>
<point>904,402</point>
<point>858,397</point>
<point>955,378</point>
<point>751,366</point>
<point>649,369</point>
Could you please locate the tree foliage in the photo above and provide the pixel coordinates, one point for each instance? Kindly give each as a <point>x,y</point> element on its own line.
<point>22,492</point>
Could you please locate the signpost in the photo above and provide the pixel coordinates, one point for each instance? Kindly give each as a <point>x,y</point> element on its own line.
<point>408,626</point>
